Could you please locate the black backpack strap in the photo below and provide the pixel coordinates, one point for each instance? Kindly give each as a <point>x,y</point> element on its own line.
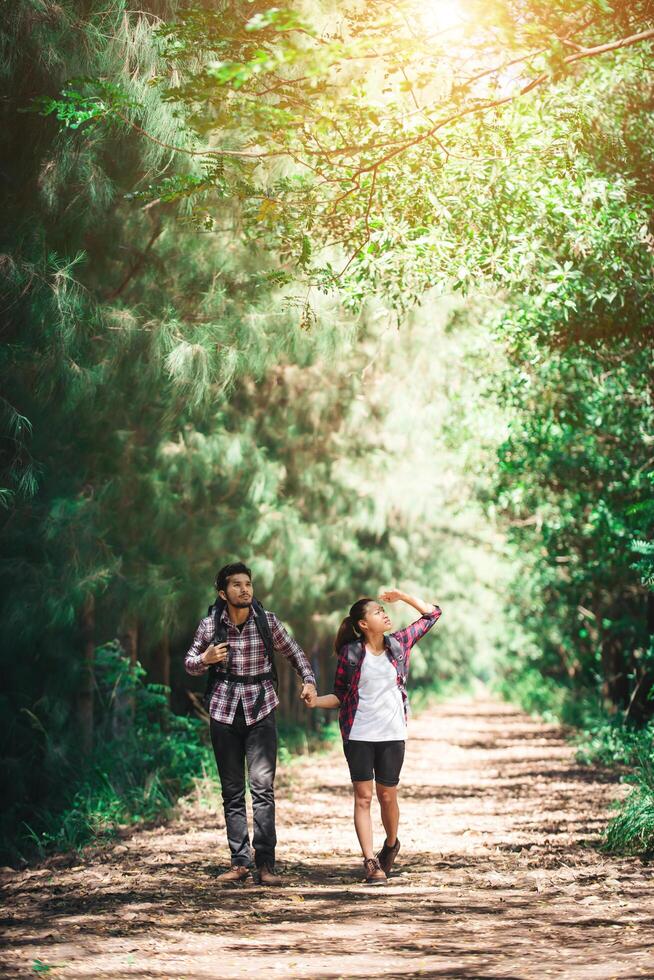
<point>398,654</point>
<point>265,633</point>
<point>215,674</point>
<point>219,636</point>
<point>353,657</point>
<point>219,628</point>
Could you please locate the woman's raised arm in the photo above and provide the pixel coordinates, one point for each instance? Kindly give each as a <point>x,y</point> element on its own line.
<point>394,595</point>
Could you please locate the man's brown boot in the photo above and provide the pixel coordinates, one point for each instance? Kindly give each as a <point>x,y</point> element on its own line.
<point>237,874</point>
<point>374,874</point>
<point>387,856</point>
<point>267,876</point>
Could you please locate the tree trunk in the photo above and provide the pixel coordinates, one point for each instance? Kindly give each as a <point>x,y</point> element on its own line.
<point>123,713</point>
<point>86,689</point>
<point>129,641</point>
<point>160,662</point>
<point>641,706</point>
<point>615,682</point>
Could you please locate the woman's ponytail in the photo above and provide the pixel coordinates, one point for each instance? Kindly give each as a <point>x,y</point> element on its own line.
<point>349,630</point>
<point>346,634</point>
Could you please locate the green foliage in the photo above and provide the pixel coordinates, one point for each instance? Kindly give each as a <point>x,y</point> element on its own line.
<point>645,565</point>
<point>535,693</point>
<point>644,547</point>
<point>632,830</point>
<point>76,107</point>
<point>613,741</point>
<point>360,127</point>
<point>39,966</point>
<point>145,758</point>
<point>296,740</point>
<point>573,482</point>
<point>170,403</point>
<point>178,388</point>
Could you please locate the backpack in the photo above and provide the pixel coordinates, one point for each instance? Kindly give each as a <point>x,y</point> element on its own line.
<point>354,655</point>
<point>220,635</point>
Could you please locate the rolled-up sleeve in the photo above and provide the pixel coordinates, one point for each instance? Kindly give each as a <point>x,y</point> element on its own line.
<point>286,645</point>
<point>193,663</point>
<point>410,635</point>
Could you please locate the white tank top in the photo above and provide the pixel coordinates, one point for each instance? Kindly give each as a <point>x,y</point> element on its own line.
<point>380,713</point>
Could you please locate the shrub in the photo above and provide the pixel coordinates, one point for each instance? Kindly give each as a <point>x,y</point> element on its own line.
<point>145,757</point>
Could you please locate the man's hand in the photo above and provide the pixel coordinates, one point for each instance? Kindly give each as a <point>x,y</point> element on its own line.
<point>216,653</point>
<point>309,694</point>
<point>391,595</point>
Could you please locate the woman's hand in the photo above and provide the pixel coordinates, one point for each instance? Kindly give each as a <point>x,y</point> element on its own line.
<point>216,653</point>
<point>311,699</point>
<point>391,595</point>
<point>325,701</point>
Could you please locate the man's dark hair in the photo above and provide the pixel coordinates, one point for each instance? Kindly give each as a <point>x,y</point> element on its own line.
<point>235,568</point>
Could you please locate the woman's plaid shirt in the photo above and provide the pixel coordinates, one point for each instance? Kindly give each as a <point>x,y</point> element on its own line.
<point>247,655</point>
<point>349,696</point>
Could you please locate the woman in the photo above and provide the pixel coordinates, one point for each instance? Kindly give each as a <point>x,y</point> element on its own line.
<point>370,691</point>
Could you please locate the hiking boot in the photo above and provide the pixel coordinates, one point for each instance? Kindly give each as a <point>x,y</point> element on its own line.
<point>374,874</point>
<point>237,874</point>
<point>387,856</point>
<point>267,876</point>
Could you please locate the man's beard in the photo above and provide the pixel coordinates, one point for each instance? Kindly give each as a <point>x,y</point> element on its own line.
<point>242,604</point>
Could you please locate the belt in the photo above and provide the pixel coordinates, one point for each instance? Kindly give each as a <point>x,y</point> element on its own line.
<point>227,675</point>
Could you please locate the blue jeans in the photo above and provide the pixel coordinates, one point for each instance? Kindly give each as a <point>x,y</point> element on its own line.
<point>233,745</point>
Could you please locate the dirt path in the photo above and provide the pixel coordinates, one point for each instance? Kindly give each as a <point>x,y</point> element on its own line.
<point>497,877</point>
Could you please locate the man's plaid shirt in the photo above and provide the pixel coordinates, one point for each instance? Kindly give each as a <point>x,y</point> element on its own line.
<point>349,696</point>
<point>247,655</point>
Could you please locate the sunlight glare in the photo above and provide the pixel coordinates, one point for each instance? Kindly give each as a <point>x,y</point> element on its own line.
<point>437,16</point>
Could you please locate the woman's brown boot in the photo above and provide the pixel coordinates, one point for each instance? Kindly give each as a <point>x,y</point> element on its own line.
<point>374,874</point>
<point>387,855</point>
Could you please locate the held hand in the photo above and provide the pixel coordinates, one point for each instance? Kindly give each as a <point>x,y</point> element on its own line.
<point>216,653</point>
<point>391,595</point>
<point>309,695</point>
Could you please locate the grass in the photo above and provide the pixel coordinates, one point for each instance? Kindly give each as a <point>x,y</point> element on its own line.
<point>601,739</point>
<point>610,741</point>
<point>631,831</point>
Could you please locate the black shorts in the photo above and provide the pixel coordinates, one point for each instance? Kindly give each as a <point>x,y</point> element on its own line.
<point>379,760</point>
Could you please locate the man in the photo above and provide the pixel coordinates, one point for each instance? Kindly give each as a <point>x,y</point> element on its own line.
<point>242,713</point>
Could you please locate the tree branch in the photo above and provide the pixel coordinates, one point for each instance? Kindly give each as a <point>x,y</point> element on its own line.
<point>138,265</point>
<point>246,154</point>
<point>366,219</point>
<point>404,145</point>
<point>529,87</point>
